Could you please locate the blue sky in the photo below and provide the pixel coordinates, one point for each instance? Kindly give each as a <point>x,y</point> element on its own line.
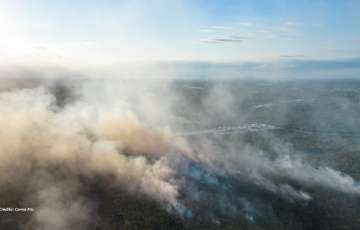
<point>101,32</point>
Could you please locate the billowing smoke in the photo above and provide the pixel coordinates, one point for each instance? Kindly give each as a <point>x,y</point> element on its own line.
<point>58,138</point>
<point>48,148</point>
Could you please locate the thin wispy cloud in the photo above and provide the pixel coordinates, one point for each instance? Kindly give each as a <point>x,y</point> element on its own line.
<point>185,23</point>
<point>229,39</point>
<point>285,29</point>
<point>289,29</point>
<point>246,24</point>
<point>222,35</point>
<point>222,27</point>
<point>41,47</point>
<point>298,56</point>
<point>293,24</point>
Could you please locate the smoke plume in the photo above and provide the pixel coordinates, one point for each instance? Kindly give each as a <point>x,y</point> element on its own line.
<point>59,137</point>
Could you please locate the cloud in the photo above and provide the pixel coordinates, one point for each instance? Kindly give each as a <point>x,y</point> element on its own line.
<point>223,36</point>
<point>222,27</point>
<point>285,29</point>
<point>293,24</point>
<point>246,24</point>
<point>291,56</point>
<point>229,39</point>
<point>41,47</point>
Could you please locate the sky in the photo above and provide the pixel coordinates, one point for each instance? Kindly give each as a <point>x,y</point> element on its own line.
<point>88,32</point>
